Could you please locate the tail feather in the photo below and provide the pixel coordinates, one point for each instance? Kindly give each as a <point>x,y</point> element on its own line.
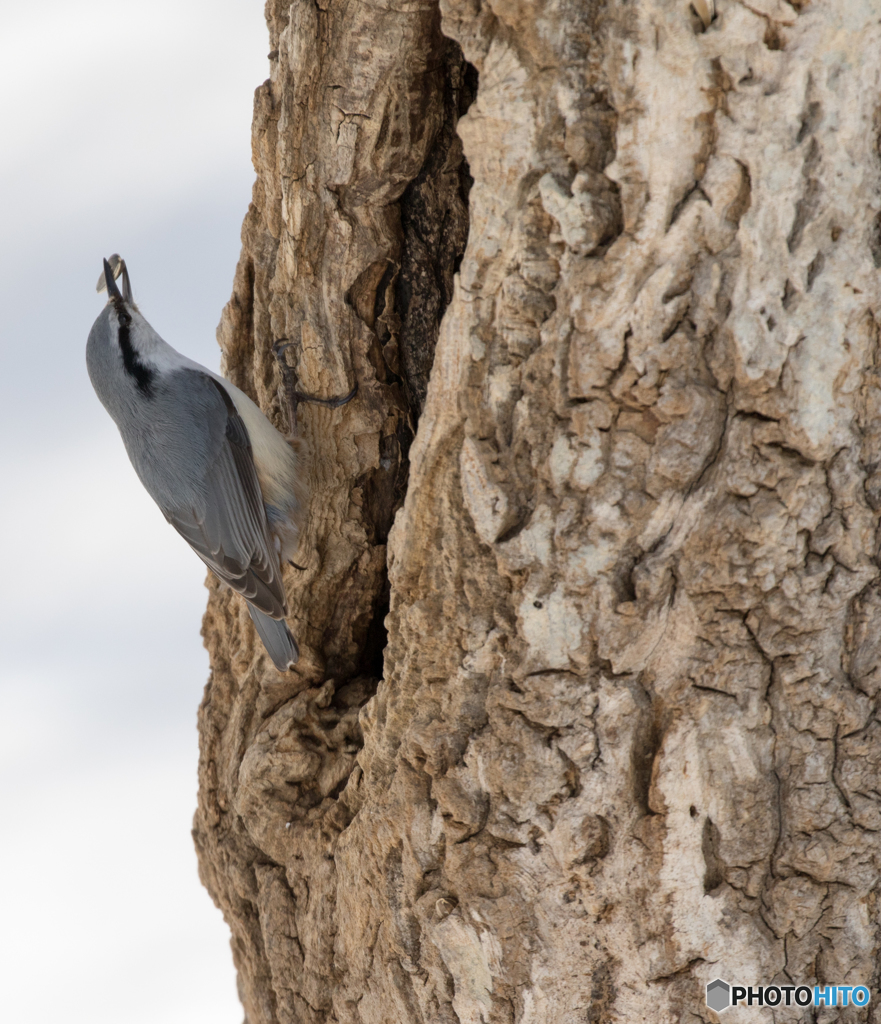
<point>277,639</point>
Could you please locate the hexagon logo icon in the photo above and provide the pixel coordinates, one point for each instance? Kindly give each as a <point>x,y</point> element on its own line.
<point>718,995</point>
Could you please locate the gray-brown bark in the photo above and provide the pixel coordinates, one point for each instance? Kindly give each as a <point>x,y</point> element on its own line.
<point>624,735</point>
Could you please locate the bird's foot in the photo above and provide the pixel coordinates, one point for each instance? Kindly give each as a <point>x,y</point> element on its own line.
<point>294,396</point>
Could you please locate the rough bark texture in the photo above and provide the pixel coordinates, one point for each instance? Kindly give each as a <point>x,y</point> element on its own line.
<point>622,736</point>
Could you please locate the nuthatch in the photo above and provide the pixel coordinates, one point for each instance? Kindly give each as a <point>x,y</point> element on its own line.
<point>221,473</point>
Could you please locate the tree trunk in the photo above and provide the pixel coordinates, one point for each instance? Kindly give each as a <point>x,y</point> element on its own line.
<point>621,736</point>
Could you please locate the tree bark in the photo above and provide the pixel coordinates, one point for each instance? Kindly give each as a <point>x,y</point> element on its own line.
<point>587,709</point>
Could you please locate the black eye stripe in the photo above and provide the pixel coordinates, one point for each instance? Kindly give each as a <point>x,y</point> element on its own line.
<point>138,371</point>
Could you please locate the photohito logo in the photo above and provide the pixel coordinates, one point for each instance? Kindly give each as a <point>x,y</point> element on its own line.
<point>721,995</point>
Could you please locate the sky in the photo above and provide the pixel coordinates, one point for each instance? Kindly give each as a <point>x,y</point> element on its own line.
<point>124,127</point>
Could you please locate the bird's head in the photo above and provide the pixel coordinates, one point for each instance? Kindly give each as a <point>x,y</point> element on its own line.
<point>121,336</point>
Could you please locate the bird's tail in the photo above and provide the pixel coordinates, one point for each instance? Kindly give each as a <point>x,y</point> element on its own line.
<point>277,639</point>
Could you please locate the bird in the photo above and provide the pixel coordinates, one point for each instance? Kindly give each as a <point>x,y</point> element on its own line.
<point>223,476</point>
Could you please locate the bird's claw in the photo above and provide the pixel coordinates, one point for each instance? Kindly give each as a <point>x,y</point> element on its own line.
<point>294,396</point>
<point>333,403</point>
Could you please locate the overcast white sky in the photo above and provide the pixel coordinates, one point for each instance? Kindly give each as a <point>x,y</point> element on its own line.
<point>123,128</point>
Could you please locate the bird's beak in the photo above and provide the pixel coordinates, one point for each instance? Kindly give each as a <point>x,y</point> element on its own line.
<point>110,282</point>
<point>126,284</point>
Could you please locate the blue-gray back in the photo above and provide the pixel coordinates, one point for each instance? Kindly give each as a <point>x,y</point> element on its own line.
<point>192,453</point>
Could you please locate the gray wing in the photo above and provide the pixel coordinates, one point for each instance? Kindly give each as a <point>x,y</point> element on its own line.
<point>224,520</point>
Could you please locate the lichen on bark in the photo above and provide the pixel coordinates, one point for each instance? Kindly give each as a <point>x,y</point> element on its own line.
<point>587,713</point>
